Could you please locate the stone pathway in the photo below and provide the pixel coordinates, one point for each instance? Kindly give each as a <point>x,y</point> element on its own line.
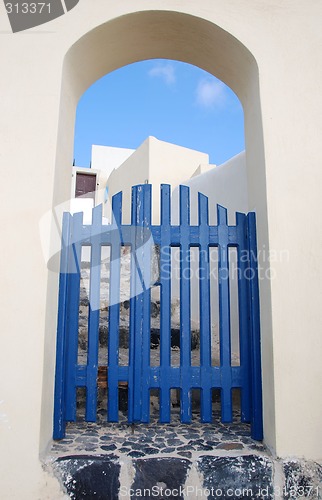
<point>174,439</point>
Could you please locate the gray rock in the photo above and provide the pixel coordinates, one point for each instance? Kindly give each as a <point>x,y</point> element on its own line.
<point>302,479</point>
<point>103,331</point>
<point>88,477</point>
<point>227,477</point>
<point>162,473</point>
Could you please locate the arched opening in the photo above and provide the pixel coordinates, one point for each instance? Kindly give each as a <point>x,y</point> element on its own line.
<point>172,35</point>
<point>173,101</point>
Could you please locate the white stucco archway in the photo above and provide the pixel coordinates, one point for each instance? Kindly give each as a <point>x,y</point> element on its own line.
<point>174,35</point>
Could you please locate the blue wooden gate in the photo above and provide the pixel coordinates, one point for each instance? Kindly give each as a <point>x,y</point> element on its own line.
<point>140,377</point>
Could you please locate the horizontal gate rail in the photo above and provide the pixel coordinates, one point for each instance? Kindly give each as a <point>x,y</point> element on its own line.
<point>141,235</point>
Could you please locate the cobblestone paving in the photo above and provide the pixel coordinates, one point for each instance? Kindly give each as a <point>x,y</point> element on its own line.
<point>172,439</point>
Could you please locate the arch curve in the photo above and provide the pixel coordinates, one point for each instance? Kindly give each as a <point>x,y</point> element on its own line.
<point>154,34</point>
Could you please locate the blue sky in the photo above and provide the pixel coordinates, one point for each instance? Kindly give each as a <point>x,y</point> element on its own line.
<point>171,100</point>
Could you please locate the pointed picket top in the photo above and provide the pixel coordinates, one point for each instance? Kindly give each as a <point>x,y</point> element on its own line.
<point>78,218</point>
<point>165,187</point>
<point>147,203</point>
<point>66,228</point>
<point>97,213</point>
<point>77,224</point>
<point>184,205</point>
<point>203,215</point>
<point>97,217</point>
<point>141,205</point>
<point>240,218</point>
<point>117,209</point>
<point>221,215</point>
<point>165,195</point>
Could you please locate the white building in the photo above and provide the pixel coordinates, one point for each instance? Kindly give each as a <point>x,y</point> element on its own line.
<point>156,162</point>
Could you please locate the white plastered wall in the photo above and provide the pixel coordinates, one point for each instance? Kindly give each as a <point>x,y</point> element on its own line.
<point>107,158</point>
<point>170,164</point>
<point>135,170</point>
<point>277,78</point>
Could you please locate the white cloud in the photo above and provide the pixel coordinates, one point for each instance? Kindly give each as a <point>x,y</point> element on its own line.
<point>210,93</point>
<point>164,71</point>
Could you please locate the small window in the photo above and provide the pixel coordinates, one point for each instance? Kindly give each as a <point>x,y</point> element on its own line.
<point>85,186</point>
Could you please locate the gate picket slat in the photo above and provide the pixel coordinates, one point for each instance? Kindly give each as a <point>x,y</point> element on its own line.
<point>132,326</point>
<point>72,315</point>
<point>243,259</point>
<point>204,314</point>
<point>114,310</point>
<point>62,330</point>
<point>224,316</point>
<point>147,244</point>
<point>135,365</point>
<point>165,304</point>
<point>256,369</point>
<point>185,322</point>
<point>94,313</point>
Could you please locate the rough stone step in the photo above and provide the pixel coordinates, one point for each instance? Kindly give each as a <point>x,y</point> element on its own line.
<point>226,477</point>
